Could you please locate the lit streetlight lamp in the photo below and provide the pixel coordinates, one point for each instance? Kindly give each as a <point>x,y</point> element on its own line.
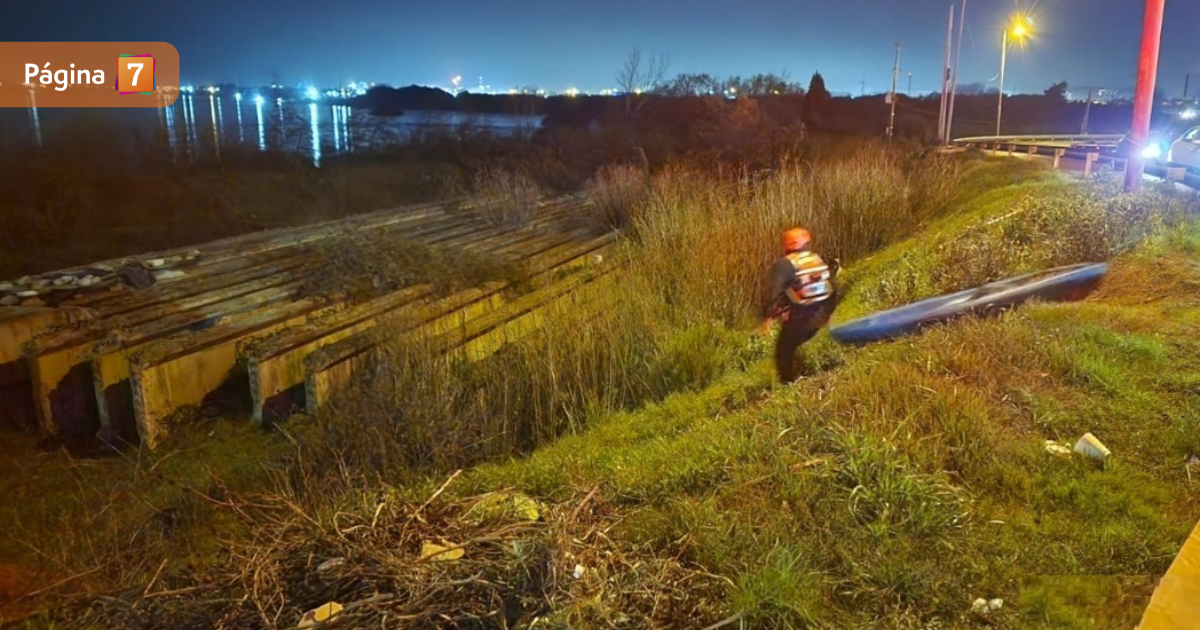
<point>1020,29</point>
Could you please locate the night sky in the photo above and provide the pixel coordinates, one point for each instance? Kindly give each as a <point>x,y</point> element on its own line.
<point>557,44</point>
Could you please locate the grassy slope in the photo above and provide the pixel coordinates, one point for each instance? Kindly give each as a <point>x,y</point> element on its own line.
<point>890,489</point>
<point>907,479</point>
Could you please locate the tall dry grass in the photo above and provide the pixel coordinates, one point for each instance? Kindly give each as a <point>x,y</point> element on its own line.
<point>704,244</point>
<point>689,278</point>
<point>615,190</point>
<point>505,197</point>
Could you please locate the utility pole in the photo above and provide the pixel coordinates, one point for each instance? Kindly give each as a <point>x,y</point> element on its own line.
<point>909,92</point>
<point>1087,114</point>
<point>944,105</point>
<point>962,22</point>
<point>863,91</point>
<point>1143,101</point>
<point>895,77</point>
<point>1187,77</point>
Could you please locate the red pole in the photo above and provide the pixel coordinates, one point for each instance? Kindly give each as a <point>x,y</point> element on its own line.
<point>1143,101</point>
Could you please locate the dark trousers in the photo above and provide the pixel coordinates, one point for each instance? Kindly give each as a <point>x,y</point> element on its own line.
<point>802,323</point>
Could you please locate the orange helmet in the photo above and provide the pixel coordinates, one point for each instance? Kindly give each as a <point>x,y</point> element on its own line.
<point>796,239</point>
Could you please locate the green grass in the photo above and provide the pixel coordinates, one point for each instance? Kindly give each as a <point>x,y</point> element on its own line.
<point>931,487</point>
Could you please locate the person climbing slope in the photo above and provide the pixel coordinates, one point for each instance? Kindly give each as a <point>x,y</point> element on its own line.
<point>802,295</point>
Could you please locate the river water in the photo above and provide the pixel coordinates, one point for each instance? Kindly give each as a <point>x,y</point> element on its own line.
<point>199,125</point>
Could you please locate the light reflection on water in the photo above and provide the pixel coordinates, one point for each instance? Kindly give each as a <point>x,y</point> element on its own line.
<point>216,125</point>
<point>241,127</point>
<point>316,134</point>
<point>320,130</point>
<point>37,125</point>
<point>262,129</point>
<point>169,119</point>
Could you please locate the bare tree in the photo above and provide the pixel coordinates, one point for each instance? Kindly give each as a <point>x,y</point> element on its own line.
<point>638,75</point>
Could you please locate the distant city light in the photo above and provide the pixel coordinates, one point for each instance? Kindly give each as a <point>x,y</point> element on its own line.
<point>313,93</point>
<point>237,96</point>
<point>1188,114</point>
<point>572,92</point>
<point>187,88</point>
<point>258,99</point>
<point>212,89</point>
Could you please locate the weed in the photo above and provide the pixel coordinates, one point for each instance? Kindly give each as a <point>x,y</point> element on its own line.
<point>505,198</point>
<point>614,192</point>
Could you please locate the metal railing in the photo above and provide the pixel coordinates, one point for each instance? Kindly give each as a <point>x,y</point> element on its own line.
<point>1092,150</point>
<point>1048,141</point>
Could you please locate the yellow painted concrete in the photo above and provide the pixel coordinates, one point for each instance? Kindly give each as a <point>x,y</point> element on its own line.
<point>1175,604</point>
<point>189,374</point>
<point>517,328</point>
<point>47,373</point>
<point>20,324</point>
<point>325,382</point>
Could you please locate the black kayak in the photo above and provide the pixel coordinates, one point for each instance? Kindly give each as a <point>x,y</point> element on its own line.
<point>1061,284</point>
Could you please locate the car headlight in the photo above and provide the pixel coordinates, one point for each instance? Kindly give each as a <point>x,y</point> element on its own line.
<point>1152,152</point>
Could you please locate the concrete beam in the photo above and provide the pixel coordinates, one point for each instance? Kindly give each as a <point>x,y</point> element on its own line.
<point>331,369</point>
<point>482,337</point>
<point>63,373</point>
<point>101,356</point>
<point>184,371</point>
<point>276,366</point>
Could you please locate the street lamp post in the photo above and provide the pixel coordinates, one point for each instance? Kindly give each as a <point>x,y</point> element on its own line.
<point>1019,31</point>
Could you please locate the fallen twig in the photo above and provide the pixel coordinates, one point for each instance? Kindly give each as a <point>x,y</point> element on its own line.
<point>417,512</point>
<point>725,622</point>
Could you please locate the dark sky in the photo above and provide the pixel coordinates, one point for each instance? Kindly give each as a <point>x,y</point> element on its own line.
<point>557,44</point>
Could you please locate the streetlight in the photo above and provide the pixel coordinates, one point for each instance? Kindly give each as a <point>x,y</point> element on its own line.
<point>1020,29</point>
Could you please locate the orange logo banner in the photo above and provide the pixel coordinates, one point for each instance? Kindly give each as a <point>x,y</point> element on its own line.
<point>88,74</point>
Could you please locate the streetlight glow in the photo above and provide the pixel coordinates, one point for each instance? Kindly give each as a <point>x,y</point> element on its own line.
<point>1019,30</point>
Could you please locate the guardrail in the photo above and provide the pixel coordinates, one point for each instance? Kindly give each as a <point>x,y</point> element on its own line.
<point>1092,150</point>
<point>1057,141</point>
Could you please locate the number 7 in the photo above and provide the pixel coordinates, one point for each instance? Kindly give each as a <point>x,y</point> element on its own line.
<point>136,72</point>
